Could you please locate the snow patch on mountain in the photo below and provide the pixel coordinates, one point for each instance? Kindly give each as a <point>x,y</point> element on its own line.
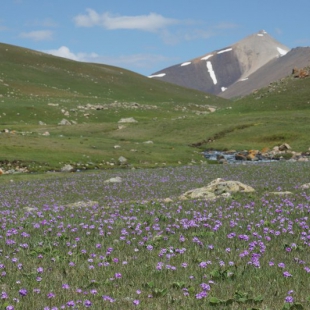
<point>186,63</point>
<point>206,57</point>
<point>212,73</point>
<point>157,75</point>
<point>282,51</point>
<point>224,51</point>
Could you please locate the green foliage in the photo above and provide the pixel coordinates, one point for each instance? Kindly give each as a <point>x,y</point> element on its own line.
<point>38,87</point>
<point>71,244</point>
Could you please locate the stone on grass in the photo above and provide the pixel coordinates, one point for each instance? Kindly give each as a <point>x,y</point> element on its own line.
<point>67,168</point>
<point>64,122</point>
<point>114,180</point>
<point>305,186</point>
<point>217,188</point>
<point>281,193</point>
<point>284,147</point>
<point>198,193</point>
<point>127,120</point>
<point>122,160</point>
<point>29,209</point>
<point>82,204</point>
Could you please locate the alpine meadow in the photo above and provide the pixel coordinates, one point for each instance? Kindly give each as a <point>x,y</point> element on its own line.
<point>109,202</point>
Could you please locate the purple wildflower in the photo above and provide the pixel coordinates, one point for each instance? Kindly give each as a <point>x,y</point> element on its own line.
<point>23,292</point>
<point>87,303</point>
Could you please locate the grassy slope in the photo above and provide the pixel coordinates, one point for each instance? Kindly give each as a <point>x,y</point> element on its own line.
<point>167,115</point>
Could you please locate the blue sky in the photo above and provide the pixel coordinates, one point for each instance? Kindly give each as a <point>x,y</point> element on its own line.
<point>146,36</point>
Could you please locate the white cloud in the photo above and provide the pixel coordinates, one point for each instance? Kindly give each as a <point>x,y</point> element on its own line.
<point>151,22</point>
<point>64,52</point>
<point>132,62</point>
<point>39,35</point>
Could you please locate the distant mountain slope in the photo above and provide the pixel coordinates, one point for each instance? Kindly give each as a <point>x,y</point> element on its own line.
<point>275,70</point>
<point>219,71</point>
<point>26,73</point>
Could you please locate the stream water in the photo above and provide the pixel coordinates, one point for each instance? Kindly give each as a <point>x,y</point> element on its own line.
<point>230,157</point>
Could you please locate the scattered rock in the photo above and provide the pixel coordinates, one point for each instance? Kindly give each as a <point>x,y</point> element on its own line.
<point>64,122</point>
<point>282,152</point>
<point>122,160</point>
<point>300,73</point>
<point>114,180</point>
<point>198,193</point>
<point>41,123</point>
<point>281,193</point>
<point>117,146</point>
<point>46,133</point>
<point>284,147</point>
<point>67,168</point>
<point>148,142</point>
<point>303,159</point>
<point>127,120</point>
<point>29,209</point>
<point>240,156</point>
<point>14,170</point>
<point>305,186</point>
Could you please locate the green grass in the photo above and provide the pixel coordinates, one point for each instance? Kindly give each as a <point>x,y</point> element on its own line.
<point>35,87</point>
<point>164,251</point>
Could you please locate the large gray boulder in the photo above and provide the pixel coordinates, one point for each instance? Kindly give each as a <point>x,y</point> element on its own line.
<point>217,188</point>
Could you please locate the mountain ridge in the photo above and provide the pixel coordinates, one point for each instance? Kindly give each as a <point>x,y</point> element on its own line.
<point>220,71</point>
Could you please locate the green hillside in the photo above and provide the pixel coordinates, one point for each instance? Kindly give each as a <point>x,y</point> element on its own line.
<point>38,91</point>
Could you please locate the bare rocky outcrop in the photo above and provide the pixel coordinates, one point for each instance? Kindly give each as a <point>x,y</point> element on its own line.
<point>301,73</point>
<point>217,188</point>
